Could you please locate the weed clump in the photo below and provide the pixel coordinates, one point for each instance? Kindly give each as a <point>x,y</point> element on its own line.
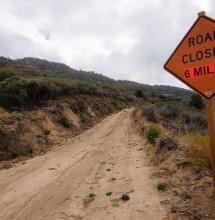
<point>161,186</point>
<point>173,209</point>
<point>46,131</point>
<point>125,197</point>
<point>92,195</point>
<point>82,106</point>
<point>153,133</point>
<point>166,144</point>
<point>16,115</point>
<point>65,121</point>
<point>90,198</point>
<point>9,148</point>
<point>108,193</point>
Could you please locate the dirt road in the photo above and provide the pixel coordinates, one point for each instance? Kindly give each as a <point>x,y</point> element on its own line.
<point>107,158</point>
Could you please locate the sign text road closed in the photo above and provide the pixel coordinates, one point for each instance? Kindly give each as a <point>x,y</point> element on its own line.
<point>193,61</point>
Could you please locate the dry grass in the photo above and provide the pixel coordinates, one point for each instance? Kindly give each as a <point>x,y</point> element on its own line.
<point>164,131</point>
<point>199,149</point>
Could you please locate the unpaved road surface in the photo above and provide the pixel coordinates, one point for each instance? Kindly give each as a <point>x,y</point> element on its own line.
<point>106,158</point>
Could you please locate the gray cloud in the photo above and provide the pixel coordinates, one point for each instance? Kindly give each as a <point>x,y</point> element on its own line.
<point>45,33</point>
<point>123,39</point>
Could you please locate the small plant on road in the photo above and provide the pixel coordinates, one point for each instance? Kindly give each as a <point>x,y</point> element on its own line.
<point>90,198</point>
<point>92,195</point>
<point>125,197</point>
<point>173,209</point>
<point>161,186</point>
<point>108,193</point>
<point>153,133</point>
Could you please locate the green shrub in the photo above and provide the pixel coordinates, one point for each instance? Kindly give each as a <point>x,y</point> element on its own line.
<point>92,195</point>
<point>46,131</point>
<point>161,186</point>
<point>111,90</point>
<point>196,101</point>
<point>173,209</point>
<point>90,198</point>
<point>125,197</point>
<point>16,115</point>
<point>139,93</point>
<point>4,75</point>
<point>82,106</point>
<point>65,121</point>
<point>153,133</point>
<point>108,193</point>
<point>9,148</point>
<point>114,103</point>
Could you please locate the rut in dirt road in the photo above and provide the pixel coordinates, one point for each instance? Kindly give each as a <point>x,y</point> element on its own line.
<point>107,158</point>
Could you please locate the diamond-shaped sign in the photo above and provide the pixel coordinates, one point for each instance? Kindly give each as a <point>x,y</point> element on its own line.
<point>193,60</point>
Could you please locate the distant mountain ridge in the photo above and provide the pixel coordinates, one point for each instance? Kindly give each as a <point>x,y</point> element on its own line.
<point>90,76</point>
<point>39,63</point>
<point>59,68</point>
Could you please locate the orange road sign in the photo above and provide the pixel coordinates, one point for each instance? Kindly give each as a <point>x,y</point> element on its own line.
<point>193,60</point>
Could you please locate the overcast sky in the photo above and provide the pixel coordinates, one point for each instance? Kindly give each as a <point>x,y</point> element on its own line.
<point>122,39</point>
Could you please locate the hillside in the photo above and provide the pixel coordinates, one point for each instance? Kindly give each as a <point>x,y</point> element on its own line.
<point>58,68</point>
<point>37,65</point>
<point>49,101</point>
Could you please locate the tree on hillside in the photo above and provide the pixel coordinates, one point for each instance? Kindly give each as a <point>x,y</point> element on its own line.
<point>196,101</point>
<point>139,93</point>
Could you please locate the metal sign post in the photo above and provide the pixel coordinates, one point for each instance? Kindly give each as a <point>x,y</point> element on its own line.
<point>211,132</point>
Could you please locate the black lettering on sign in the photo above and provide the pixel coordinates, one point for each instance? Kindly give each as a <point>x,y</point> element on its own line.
<point>208,53</point>
<point>199,55</point>
<point>191,41</point>
<point>208,37</point>
<point>205,71</point>
<point>197,71</point>
<point>187,74</point>
<point>199,39</point>
<point>209,71</point>
<point>183,59</point>
<point>191,58</point>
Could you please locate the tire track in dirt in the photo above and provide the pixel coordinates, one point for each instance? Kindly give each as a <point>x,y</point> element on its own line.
<point>106,158</point>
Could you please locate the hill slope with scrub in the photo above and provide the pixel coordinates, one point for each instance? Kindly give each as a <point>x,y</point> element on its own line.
<point>178,145</point>
<point>44,102</point>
